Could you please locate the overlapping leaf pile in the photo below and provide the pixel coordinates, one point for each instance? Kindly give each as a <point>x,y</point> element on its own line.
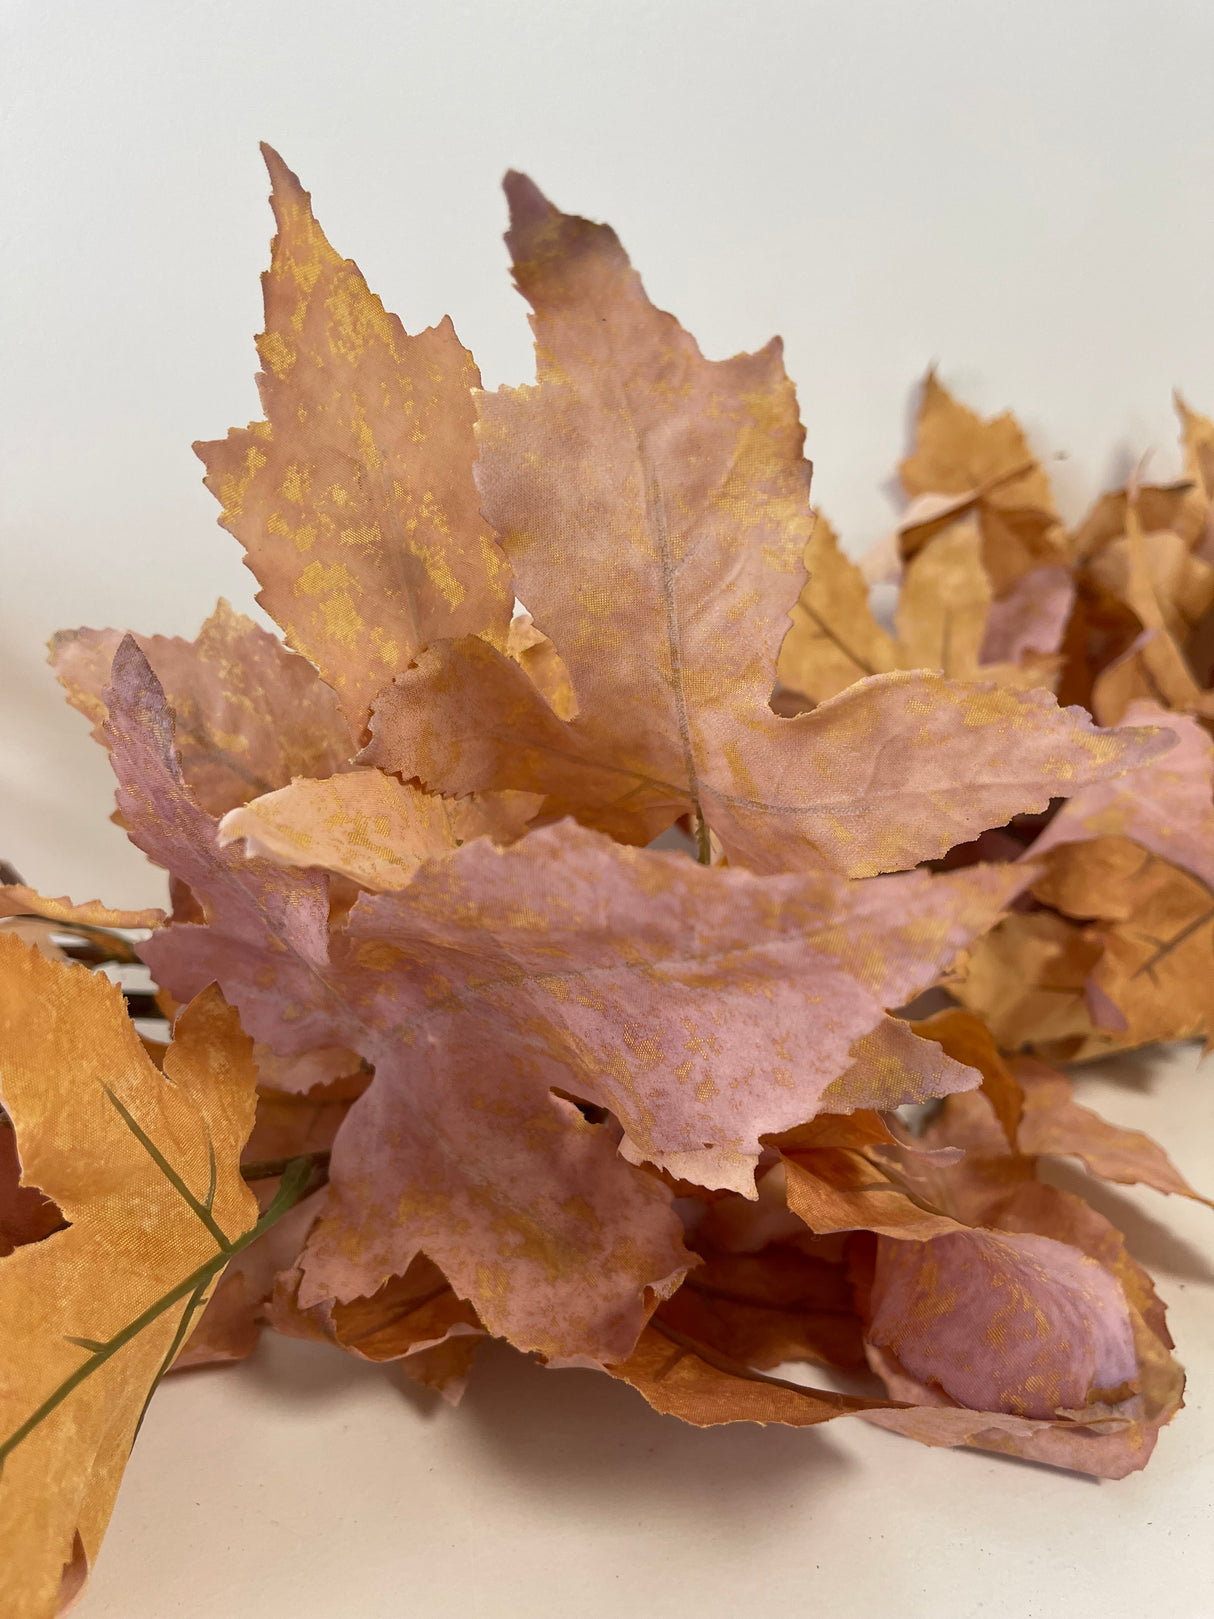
<point>511,1070</point>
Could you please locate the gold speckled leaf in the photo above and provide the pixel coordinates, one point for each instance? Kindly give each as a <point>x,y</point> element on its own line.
<point>655,507</point>
<point>354,498</point>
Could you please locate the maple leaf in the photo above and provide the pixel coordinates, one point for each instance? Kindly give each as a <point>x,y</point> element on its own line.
<point>370,827</point>
<point>354,498</point>
<point>946,619</point>
<point>143,1167</point>
<point>1167,590</point>
<point>1054,1124</point>
<point>654,506</point>
<point>249,715</point>
<point>416,1320</point>
<point>1120,957</point>
<point>962,465</point>
<point>701,1007</point>
<point>1011,1254</point>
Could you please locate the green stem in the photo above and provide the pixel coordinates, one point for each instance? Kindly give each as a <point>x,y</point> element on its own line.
<point>294,1186</point>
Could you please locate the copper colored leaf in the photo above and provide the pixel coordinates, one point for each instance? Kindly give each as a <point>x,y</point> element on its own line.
<point>835,640</point>
<point>18,900</point>
<point>683,1378</point>
<point>144,1169</point>
<point>415,1319</point>
<point>967,1039</point>
<point>354,498</point>
<point>962,465</point>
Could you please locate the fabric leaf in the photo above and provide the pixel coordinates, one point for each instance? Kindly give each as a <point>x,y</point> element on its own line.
<point>354,498</point>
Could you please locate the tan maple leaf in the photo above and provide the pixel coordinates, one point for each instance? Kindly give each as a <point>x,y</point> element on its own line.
<point>946,619</point>
<point>370,827</point>
<point>143,1167</point>
<point>354,498</point>
<point>961,465</point>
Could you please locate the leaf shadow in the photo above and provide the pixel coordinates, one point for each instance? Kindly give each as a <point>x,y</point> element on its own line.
<point>312,1374</point>
<point>1145,1068</point>
<point>550,1431</point>
<point>1152,1242</point>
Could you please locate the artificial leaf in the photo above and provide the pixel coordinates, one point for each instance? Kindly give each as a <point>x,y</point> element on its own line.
<point>966,1039</point>
<point>249,714</point>
<point>143,1167</point>
<point>524,965</point>
<point>1054,1123</point>
<point>1028,979</point>
<point>1113,1432</point>
<point>944,619</point>
<point>18,900</point>
<point>415,1319</point>
<point>1168,809</point>
<point>684,1378</point>
<point>354,498</point>
<point>654,506</point>
<point>368,826</point>
<point>835,639</point>
<point>960,465</point>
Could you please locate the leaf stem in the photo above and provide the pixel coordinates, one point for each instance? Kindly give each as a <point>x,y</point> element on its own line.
<point>294,1186</point>
<point>202,1210</point>
<point>264,1169</point>
<point>703,839</point>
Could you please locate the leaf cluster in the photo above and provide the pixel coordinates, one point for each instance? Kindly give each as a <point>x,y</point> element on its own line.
<point>554,903</point>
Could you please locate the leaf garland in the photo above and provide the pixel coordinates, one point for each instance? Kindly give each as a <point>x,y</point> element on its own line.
<point>454,1054</point>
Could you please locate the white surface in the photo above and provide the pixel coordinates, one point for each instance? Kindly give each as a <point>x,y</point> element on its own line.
<point>306,1485</point>
<point>1020,191</point>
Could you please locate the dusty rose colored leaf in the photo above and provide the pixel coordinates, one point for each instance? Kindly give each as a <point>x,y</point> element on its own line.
<point>895,770</point>
<point>655,507</point>
<point>259,919</point>
<point>1056,1124</point>
<point>249,715</point>
<point>354,499</point>
<point>1166,807</point>
<point>1030,618</point>
<point>1110,1438</point>
<point>1023,1294</point>
<point>710,973</point>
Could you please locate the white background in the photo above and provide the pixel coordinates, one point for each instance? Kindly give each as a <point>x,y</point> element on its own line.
<point>1022,192</point>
